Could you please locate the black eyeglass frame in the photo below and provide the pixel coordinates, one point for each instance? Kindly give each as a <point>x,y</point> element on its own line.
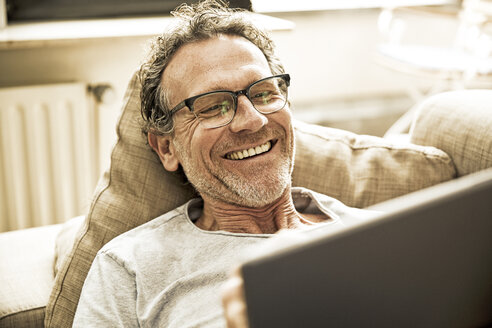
<point>235,94</point>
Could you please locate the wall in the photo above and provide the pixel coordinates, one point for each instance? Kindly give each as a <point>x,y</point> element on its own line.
<point>331,53</point>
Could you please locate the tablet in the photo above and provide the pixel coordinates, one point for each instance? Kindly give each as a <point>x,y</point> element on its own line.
<point>425,262</point>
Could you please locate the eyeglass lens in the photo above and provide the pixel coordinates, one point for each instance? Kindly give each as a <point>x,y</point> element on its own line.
<point>217,109</point>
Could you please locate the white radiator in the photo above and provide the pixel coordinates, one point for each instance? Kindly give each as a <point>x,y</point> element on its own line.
<point>48,149</point>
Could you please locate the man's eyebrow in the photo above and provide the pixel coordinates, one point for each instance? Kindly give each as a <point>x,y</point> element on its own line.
<point>215,86</point>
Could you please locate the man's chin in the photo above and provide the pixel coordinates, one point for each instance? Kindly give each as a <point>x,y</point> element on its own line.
<point>256,190</point>
<point>256,195</point>
<point>253,201</point>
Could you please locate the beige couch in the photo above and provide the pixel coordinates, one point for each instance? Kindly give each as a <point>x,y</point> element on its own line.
<point>456,129</point>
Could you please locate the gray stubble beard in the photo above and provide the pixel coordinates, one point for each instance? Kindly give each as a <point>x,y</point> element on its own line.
<point>238,190</point>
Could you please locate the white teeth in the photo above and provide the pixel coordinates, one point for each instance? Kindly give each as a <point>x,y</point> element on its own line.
<point>237,155</point>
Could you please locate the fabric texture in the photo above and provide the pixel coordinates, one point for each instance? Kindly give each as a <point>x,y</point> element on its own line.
<point>358,170</point>
<point>64,240</point>
<point>362,170</point>
<point>168,272</point>
<point>460,124</point>
<point>26,269</point>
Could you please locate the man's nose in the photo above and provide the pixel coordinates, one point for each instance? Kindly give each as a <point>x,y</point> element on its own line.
<point>247,118</point>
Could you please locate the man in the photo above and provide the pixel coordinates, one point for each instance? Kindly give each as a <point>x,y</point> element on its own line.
<point>215,102</point>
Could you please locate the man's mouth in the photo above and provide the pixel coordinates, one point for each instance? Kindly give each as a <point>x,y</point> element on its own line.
<point>246,153</point>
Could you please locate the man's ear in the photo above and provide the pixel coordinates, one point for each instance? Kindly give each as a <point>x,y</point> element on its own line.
<point>165,149</point>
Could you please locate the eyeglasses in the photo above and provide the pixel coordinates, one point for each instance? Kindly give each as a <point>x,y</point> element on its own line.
<point>217,108</point>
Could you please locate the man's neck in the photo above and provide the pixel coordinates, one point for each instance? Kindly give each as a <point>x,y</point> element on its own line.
<point>281,214</point>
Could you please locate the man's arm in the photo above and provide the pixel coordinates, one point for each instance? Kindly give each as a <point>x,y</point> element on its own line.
<point>108,298</point>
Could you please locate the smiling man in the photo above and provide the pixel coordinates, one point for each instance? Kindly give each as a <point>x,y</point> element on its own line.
<point>236,148</point>
<point>215,103</point>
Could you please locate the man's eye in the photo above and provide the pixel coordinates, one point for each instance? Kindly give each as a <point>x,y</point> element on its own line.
<point>210,109</point>
<point>263,97</point>
<point>262,94</point>
<point>216,109</point>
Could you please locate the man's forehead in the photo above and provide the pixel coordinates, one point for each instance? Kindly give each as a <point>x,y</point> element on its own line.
<point>215,51</point>
<point>204,60</point>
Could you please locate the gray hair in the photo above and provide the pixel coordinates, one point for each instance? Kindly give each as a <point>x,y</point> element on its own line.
<point>201,21</point>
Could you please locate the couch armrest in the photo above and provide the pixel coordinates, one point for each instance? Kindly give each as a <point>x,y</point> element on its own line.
<point>460,124</point>
<point>26,275</point>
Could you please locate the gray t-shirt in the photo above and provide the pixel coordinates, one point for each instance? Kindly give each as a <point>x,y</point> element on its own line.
<point>168,272</point>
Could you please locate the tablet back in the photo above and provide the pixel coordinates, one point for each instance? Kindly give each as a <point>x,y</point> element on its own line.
<point>427,262</point>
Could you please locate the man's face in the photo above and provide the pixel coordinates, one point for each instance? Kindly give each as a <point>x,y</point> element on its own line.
<point>229,63</point>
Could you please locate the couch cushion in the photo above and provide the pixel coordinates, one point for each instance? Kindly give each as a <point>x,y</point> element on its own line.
<point>459,123</point>
<point>65,240</point>
<point>26,269</point>
<point>358,170</point>
<point>363,170</point>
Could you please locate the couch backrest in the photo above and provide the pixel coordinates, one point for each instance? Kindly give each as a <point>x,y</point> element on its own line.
<point>460,124</point>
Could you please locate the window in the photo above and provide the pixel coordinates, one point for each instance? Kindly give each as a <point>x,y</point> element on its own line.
<point>28,10</point>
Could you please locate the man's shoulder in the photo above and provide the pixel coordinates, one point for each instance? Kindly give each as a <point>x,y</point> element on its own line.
<point>149,232</point>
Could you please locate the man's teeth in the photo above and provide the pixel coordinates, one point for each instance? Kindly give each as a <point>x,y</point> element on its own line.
<point>250,152</point>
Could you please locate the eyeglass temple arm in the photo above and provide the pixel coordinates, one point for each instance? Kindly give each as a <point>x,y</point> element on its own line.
<point>178,107</point>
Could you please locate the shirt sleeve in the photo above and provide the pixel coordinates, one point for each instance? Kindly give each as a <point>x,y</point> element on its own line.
<point>108,297</point>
